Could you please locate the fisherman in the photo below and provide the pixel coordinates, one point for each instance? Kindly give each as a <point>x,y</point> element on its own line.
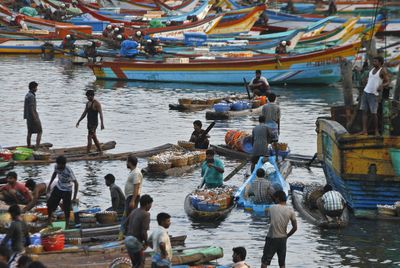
<point>377,80</point>
<point>48,14</point>
<point>14,192</point>
<point>261,189</point>
<point>68,42</point>
<point>275,242</point>
<point>108,31</point>
<point>332,8</point>
<point>117,196</point>
<point>212,170</point>
<point>331,203</point>
<point>31,115</point>
<point>18,234</point>
<point>90,51</point>
<point>136,231</point>
<point>199,137</point>
<point>138,37</point>
<point>62,190</point>
<point>260,139</point>
<point>238,258</point>
<point>281,48</point>
<point>259,85</point>
<point>272,114</point>
<point>92,110</point>
<point>38,190</point>
<point>129,48</point>
<point>151,47</point>
<point>159,241</point>
<point>60,13</point>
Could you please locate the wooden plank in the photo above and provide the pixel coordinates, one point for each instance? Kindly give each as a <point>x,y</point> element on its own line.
<point>104,157</point>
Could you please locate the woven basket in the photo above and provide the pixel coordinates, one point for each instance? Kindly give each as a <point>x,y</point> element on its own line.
<point>87,218</point>
<point>387,211</point>
<point>158,167</point>
<point>184,101</point>
<point>29,217</point>
<point>50,231</point>
<point>107,217</point>
<point>34,249</point>
<point>41,155</point>
<point>186,144</point>
<point>191,159</point>
<point>179,161</point>
<point>201,156</point>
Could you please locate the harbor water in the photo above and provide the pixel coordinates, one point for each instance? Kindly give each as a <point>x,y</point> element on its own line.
<point>137,117</point>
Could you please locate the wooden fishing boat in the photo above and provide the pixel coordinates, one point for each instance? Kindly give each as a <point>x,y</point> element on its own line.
<point>196,104</point>
<point>362,168</point>
<point>284,167</point>
<point>213,115</point>
<point>276,178</point>
<point>60,28</point>
<point>203,215</point>
<point>314,216</point>
<point>319,67</point>
<point>103,157</point>
<point>174,171</point>
<point>102,255</point>
<point>243,24</point>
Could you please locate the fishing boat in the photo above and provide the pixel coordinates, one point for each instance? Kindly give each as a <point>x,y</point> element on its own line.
<point>214,115</point>
<point>314,216</point>
<point>103,254</point>
<point>83,156</point>
<point>320,67</point>
<point>185,104</point>
<point>364,169</point>
<point>199,206</point>
<point>275,178</point>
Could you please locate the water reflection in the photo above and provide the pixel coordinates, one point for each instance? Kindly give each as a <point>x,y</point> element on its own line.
<point>137,117</point>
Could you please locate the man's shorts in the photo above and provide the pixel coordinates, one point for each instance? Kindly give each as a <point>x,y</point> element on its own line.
<point>272,246</point>
<point>369,102</point>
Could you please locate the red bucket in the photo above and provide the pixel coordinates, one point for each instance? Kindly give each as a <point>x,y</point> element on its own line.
<point>6,155</point>
<point>53,242</point>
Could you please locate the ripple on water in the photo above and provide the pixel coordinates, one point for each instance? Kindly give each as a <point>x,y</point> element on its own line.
<point>137,117</point>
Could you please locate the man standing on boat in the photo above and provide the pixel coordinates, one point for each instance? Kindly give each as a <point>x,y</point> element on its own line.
<point>212,170</point>
<point>272,114</point>
<point>92,110</point>
<point>199,137</point>
<point>377,80</point>
<point>259,85</point>
<point>117,197</point>
<point>275,242</point>
<point>31,115</point>
<point>136,232</point>
<point>159,241</point>
<point>260,140</point>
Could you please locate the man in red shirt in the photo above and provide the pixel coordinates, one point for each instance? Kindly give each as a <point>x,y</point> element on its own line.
<point>14,192</point>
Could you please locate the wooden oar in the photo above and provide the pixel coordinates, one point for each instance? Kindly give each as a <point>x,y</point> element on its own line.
<point>247,88</point>
<point>236,170</point>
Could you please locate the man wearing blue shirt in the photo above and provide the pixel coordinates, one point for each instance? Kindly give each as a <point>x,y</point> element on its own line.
<point>212,170</point>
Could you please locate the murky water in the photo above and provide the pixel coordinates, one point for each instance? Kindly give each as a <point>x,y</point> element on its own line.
<point>137,117</point>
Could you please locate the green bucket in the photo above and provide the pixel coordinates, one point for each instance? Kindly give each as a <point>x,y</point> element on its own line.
<point>395,156</point>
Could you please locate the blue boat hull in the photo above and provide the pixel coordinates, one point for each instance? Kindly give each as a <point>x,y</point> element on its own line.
<point>297,74</point>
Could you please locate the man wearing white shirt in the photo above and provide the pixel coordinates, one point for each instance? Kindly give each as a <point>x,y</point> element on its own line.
<point>160,242</point>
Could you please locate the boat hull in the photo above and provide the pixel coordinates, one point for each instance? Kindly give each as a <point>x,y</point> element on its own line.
<point>359,167</point>
<point>314,216</point>
<point>199,215</point>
